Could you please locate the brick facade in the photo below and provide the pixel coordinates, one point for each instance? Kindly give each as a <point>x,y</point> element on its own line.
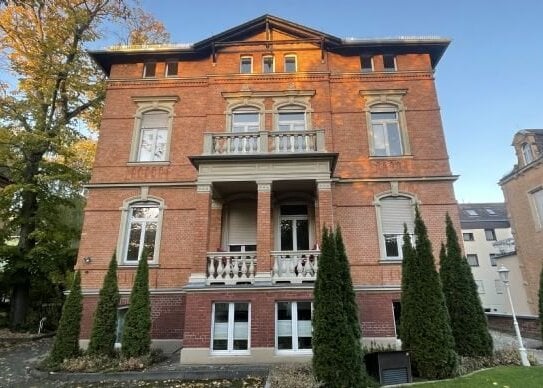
<point>338,181</point>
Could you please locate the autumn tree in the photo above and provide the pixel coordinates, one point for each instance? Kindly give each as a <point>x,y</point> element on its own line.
<point>51,95</point>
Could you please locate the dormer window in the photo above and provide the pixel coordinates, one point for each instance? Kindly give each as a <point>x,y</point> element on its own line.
<point>246,65</point>
<point>389,62</point>
<point>527,153</point>
<point>149,70</point>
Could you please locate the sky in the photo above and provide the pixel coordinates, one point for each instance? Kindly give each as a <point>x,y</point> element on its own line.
<point>489,82</point>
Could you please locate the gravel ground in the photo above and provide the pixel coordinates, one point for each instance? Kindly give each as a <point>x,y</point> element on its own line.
<point>504,341</point>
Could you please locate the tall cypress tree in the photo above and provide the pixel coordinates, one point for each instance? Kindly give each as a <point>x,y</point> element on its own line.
<point>468,321</point>
<point>425,328</point>
<point>104,328</point>
<point>136,340</point>
<point>66,343</point>
<point>334,354</point>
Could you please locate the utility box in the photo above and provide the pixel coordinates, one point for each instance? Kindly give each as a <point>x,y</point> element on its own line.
<point>388,368</point>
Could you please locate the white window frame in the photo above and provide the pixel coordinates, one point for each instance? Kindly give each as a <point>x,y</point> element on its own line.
<point>399,237</point>
<point>527,153</point>
<point>167,66</point>
<point>230,341</point>
<point>294,328</point>
<point>293,108</point>
<point>498,284</point>
<point>289,56</point>
<point>264,57</point>
<point>492,258</point>
<point>145,70</point>
<point>241,60</point>
<point>155,131</point>
<point>492,233</point>
<point>245,128</point>
<point>470,236</point>
<point>480,286</point>
<point>536,199</point>
<point>143,222</point>
<point>389,69</point>
<point>384,123</point>
<point>120,328</point>
<point>362,68</point>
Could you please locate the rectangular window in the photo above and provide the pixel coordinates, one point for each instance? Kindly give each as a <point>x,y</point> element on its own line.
<point>293,326</point>
<point>153,136</point>
<point>246,65</point>
<point>290,64</point>
<point>537,197</point>
<point>121,315</point>
<point>472,212</point>
<point>366,63</point>
<point>389,62</point>
<point>394,212</point>
<point>385,127</point>
<point>473,260</point>
<point>499,286</point>
<point>149,70</point>
<point>231,328</point>
<point>490,235</point>
<point>397,311</point>
<point>490,211</point>
<point>268,64</point>
<point>493,259</point>
<point>171,68</point>
<point>468,236</point>
<point>142,232</point>
<point>480,286</point>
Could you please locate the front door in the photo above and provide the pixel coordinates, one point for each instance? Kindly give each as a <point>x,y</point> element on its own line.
<point>294,228</point>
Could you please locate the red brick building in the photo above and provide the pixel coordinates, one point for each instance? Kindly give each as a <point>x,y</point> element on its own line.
<point>221,161</point>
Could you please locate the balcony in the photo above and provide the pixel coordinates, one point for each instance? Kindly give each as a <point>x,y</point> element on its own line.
<point>264,142</point>
<point>232,268</point>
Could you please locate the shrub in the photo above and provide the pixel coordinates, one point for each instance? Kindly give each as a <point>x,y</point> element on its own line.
<point>104,328</point>
<point>136,340</point>
<point>66,344</point>
<point>425,329</point>
<point>501,357</point>
<point>467,317</point>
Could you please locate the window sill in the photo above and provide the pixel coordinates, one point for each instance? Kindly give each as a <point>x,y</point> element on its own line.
<point>161,163</point>
<point>390,261</point>
<point>222,353</point>
<point>293,353</point>
<point>405,156</point>
<point>135,265</point>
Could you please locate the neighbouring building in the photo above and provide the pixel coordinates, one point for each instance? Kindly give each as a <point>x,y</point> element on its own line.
<point>221,161</point>
<point>523,192</point>
<point>488,243</point>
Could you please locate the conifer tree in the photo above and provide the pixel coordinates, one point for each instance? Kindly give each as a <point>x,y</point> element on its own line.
<point>104,328</point>
<point>425,328</point>
<point>66,343</point>
<point>136,340</point>
<point>468,321</point>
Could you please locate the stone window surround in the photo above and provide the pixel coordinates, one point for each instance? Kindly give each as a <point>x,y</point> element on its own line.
<point>538,218</point>
<point>392,97</point>
<point>124,226</point>
<point>394,192</point>
<point>147,104</point>
<point>281,99</point>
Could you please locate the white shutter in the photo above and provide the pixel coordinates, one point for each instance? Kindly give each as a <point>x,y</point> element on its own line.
<point>242,223</point>
<point>395,211</point>
<point>155,119</point>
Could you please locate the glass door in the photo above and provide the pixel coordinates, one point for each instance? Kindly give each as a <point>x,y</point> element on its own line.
<point>294,228</point>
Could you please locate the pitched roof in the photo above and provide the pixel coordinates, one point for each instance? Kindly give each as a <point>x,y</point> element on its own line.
<point>434,46</point>
<point>483,216</point>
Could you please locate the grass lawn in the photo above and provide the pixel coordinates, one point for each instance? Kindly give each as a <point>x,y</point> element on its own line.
<point>500,377</point>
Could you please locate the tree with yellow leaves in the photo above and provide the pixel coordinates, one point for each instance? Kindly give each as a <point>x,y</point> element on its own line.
<point>53,94</point>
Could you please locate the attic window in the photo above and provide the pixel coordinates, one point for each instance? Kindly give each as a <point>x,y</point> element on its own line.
<point>246,65</point>
<point>472,212</point>
<point>171,69</point>
<point>268,64</point>
<point>290,64</point>
<point>149,70</point>
<point>366,63</point>
<point>527,153</point>
<point>490,211</point>
<point>389,62</point>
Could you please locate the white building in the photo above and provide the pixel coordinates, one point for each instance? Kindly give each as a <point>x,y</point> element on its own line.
<point>489,243</point>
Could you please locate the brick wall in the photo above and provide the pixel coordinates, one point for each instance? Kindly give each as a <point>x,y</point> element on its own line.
<point>529,326</point>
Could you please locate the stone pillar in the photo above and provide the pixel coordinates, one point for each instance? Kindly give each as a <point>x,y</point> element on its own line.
<point>215,225</point>
<point>263,231</point>
<point>324,211</point>
<point>201,233</point>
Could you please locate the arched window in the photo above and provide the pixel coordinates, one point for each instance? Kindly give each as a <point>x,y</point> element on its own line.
<point>246,119</point>
<point>386,133</point>
<point>393,213</point>
<point>141,233</point>
<point>527,153</point>
<point>153,136</point>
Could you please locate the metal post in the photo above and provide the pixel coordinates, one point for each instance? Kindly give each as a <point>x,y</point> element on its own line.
<point>521,348</point>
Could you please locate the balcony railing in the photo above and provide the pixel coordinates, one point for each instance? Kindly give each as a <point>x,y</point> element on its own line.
<point>295,266</point>
<point>243,143</point>
<point>231,267</point>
